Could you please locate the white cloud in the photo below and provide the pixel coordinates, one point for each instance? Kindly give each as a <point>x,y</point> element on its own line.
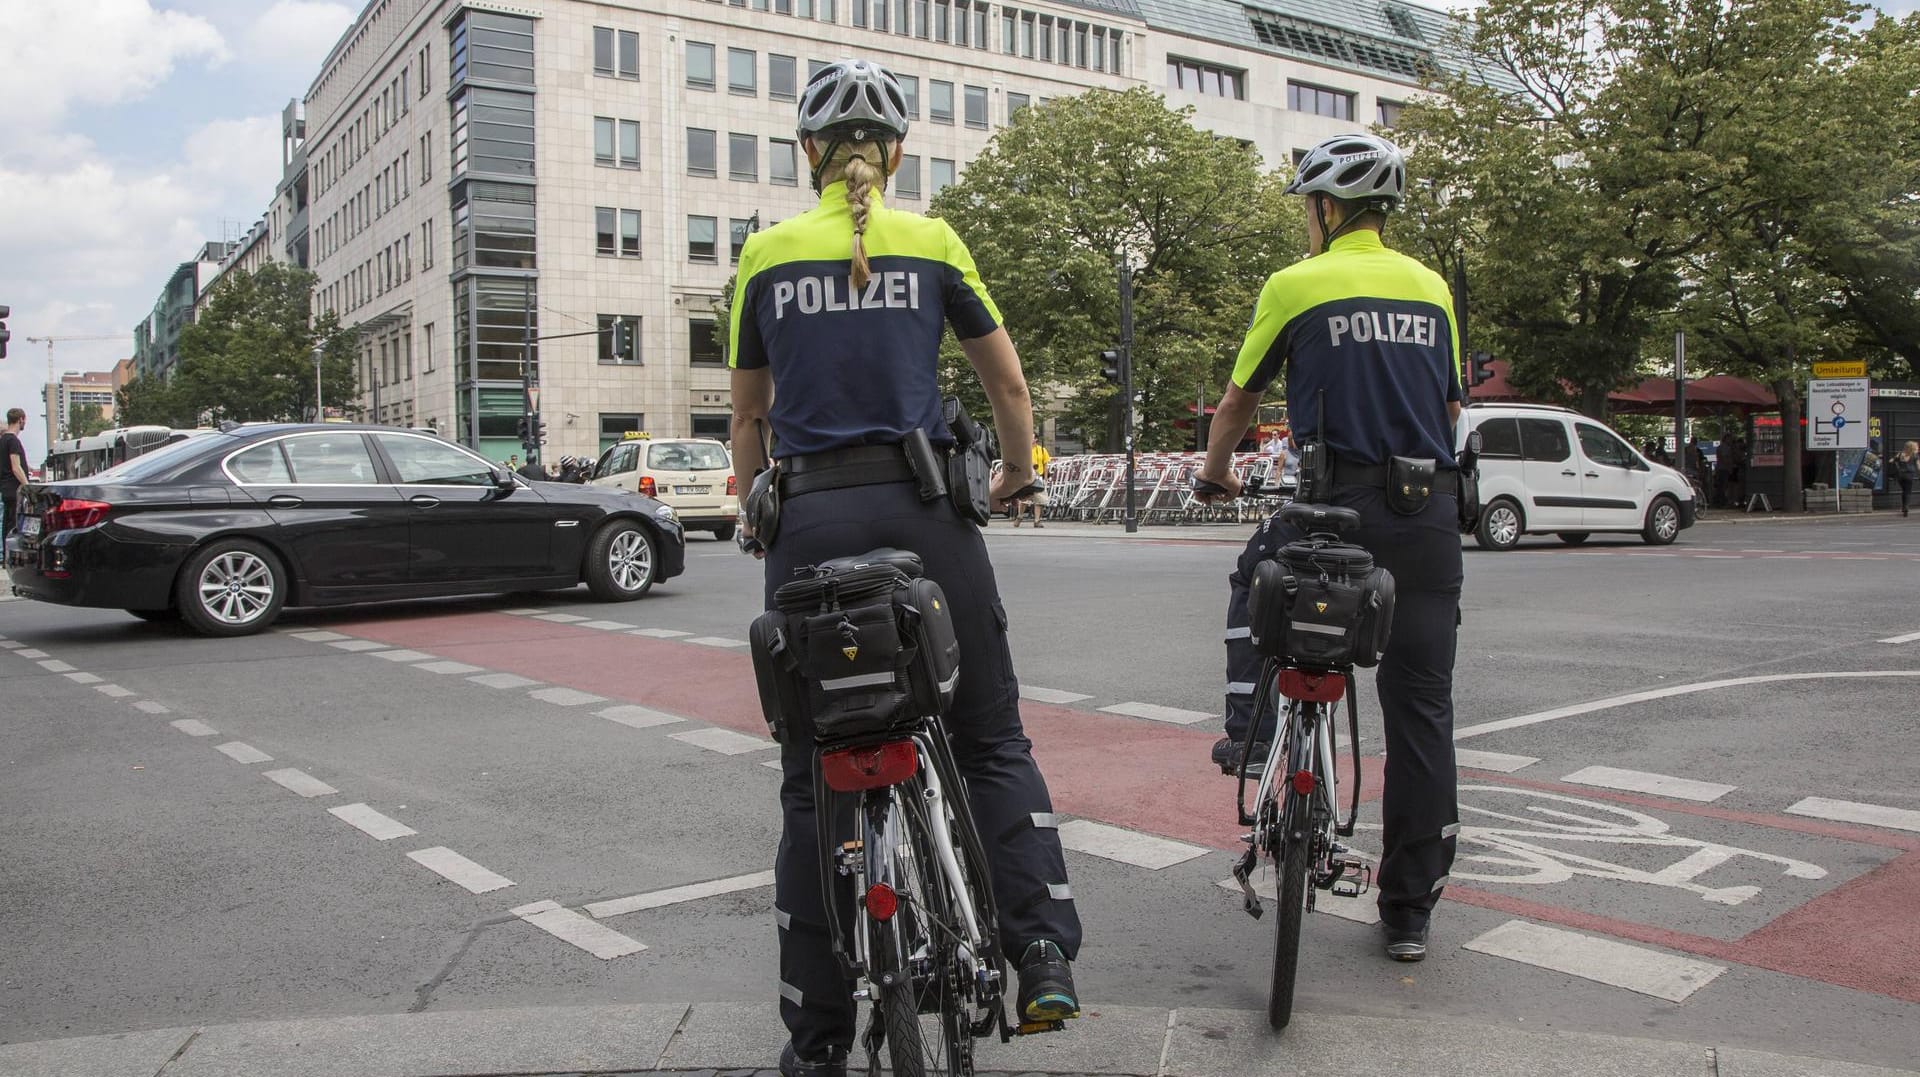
<point>297,34</point>
<point>98,52</point>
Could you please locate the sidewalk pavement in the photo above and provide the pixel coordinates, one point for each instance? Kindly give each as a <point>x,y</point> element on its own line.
<point>721,1038</point>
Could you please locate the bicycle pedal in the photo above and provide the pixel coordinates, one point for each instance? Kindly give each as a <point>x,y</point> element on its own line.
<point>1242,873</point>
<point>1351,878</point>
<point>1034,1028</point>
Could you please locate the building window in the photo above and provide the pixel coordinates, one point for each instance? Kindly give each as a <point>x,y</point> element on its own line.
<point>603,139</point>
<point>743,158</point>
<point>493,226</point>
<point>906,179</point>
<point>1387,113</point>
<point>910,89</point>
<point>629,233</point>
<point>742,72</point>
<point>783,162</point>
<point>493,48</point>
<point>493,132</point>
<point>603,50</point>
<point>616,232</point>
<point>616,142</point>
<point>605,339</point>
<point>940,101</point>
<point>737,232</point>
<point>615,426</point>
<point>1302,97</point>
<point>703,237</point>
<point>976,104</point>
<point>702,347</point>
<point>1016,102</point>
<point>942,176</point>
<point>702,152</point>
<point>782,71</point>
<point>700,65</point>
<point>1196,77</point>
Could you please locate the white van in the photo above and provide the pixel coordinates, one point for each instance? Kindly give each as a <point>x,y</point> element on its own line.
<point>1548,470</point>
<point>694,475</point>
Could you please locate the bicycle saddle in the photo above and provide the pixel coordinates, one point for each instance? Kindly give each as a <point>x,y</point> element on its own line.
<point>904,561</point>
<point>1320,519</point>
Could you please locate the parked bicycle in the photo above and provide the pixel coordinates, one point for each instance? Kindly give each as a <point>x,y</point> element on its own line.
<point>907,892</point>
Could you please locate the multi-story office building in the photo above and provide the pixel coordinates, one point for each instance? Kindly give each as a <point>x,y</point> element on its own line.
<point>485,172</point>
<point>95,388</point>
<point>156,340</point>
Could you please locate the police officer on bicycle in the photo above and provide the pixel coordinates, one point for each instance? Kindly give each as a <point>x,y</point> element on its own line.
<point>1366,342</point>
<point>836,326</point>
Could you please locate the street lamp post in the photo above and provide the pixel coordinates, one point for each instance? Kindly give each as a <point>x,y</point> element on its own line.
<point>319,353</point>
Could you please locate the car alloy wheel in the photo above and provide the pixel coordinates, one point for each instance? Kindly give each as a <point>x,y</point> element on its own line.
<point>1663,522</point>
<point>236,588</point>
<point>1502,526</point>
<point>630,560</point>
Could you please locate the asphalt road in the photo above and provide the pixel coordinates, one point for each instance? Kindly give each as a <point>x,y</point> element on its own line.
<point>1702,884</point>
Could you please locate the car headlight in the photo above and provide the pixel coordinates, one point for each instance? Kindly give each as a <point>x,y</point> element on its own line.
<point>664,512</point>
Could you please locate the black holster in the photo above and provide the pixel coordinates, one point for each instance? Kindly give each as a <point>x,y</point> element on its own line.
<point>763,506</point>
<point>929,470</point>
<point>1315,484</point>
<point>969,465</point>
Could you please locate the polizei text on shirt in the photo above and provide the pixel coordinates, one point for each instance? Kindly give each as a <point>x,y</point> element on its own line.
<point>897,289</point>
<point>1383,326</point>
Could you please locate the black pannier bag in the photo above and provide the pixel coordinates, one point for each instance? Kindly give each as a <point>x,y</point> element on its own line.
<point>866,646</point>
<point>1321,604</point>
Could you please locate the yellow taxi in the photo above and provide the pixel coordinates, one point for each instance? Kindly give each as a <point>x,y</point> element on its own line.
<point>694,475</point>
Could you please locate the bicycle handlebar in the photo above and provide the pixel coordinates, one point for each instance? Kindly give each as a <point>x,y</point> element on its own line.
<point>1206,488</point>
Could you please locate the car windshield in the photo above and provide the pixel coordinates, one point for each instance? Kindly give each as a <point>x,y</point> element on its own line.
<point>687,456</point>
<point>159,460</point>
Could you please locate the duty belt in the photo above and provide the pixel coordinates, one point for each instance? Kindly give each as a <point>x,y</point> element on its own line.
<point>1347,472</point>
<point>836,469</point>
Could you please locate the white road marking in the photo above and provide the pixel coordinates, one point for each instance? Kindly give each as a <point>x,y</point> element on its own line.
<point>1125,846</point>
<point>1361,910</point>
<point>1051,695</point>
<point>1663,693</point>
<point>455,868</point>
<point>447,667</point>
<point>525,611</point>
<point>241,752</point>
<point>299,781</point>
<point>1640,781</point>
<point>1847,811</point>
<point>724,741</point>
<point>1496,761</point>
<point>377,826</point>
<point>358,644</point>
<point>1856,557</point>
<point>637,717</point>
<point>566,697</point>
<point>150,706</point>
<point>1718,557</point>
<point>504,680</point>
<point>717,641</point>
<point>318,637</point>
<point>607,626</point>
<point>568,926</point>
<point>113,690</point>
<point>1157,713</point>
<point>54,665</point>
<point>661,633</point>
<point>193,727</point>
<point>559,618</point>
<point>1636,968</point>
<point>600,910</point>
<point>1908,638</point>
<point>11,645</point>
<point>83,678</point>
<point>401,655</point>
<point>775,764</point>
<point>31,652</point>
<point>1788,557</point>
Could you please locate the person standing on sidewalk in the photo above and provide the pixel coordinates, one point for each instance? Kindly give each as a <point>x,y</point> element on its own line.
<point>13,470</point>
<point>1906,471</point>
<point>1377,399</point>
<point>845,387</point>
<point>1041,458</point>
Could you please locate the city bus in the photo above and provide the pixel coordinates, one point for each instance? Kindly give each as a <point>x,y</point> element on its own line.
<point>77,458</point>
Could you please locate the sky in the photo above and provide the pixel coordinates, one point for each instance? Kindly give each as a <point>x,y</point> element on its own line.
<point>132,132</point>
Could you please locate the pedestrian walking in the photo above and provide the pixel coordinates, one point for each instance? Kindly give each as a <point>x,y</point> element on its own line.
<point>1906,471</point>
<point>1382,406</point>
<point>848,388</point>
<point>1041,458</point>
<point>13,470</point>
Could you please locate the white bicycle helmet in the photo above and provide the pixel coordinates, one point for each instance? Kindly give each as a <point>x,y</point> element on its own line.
<point>1357,168</point>
<point>853,96</point>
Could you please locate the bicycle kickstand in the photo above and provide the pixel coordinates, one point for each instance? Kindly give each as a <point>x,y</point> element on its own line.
<point>1243,874</point>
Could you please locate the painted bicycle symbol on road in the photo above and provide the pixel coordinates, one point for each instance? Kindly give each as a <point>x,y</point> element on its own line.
<point>1553,838</point>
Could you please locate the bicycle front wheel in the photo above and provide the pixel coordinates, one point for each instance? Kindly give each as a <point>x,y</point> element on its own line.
<point>1293,864</point>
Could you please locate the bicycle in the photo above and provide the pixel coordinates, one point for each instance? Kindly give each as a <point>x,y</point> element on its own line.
<point>909,901</point>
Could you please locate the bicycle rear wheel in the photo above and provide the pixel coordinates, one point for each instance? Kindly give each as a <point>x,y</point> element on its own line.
<point>929,1027</point>
<point>1293,864</point>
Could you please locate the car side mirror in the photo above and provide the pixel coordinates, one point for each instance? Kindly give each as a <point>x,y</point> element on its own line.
<point>503,480</point>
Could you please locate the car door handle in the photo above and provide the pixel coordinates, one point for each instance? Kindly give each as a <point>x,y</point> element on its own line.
<point>425,501</point>
<point>1569,474</point>
<point>1593,474</point>
<point>285,501</point>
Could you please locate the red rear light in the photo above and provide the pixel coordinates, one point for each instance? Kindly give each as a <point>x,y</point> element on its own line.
<point>882,902</point>
<point>647,487</point>
<point>73,514</point>
<point>875,766</point>
<point>1303,782</point>
<point>1312,687</point>
<point>733,486</point>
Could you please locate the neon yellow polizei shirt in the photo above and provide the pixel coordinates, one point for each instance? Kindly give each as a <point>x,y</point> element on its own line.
<point>854,367</point>
<point>1368,332</point>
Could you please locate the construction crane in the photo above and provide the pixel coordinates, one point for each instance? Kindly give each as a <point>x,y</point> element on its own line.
<point>56,425</point>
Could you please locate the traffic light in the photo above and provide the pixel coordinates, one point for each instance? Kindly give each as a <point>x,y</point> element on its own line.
<point>539,430</point>
<point>1482,368</point>
<point>520,429</point>
<point>5,333</point>
<point>622,344</point>
<point>1112,366</point>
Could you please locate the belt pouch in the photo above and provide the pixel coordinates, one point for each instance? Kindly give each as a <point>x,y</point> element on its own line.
<point>1314,485</point>
<point>1409,484</point>
<point>928,472</point>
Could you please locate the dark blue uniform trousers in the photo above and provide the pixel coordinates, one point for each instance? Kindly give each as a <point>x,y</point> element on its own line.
<point>1011,807</point>
<point>1421,805</point>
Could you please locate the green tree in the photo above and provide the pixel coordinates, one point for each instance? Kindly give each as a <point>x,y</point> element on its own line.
<point>86,420</point>
<point>151,402</point>
<point>1052,202</point>
<point>249,356</point>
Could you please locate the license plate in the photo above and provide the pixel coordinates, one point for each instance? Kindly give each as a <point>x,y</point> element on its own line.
<point>30,525</point>
<point>693,489</point>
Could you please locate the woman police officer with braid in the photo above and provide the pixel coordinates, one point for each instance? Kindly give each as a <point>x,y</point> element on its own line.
<point>836,326</point>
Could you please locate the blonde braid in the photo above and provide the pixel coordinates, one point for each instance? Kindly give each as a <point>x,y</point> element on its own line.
<point>861,171</point>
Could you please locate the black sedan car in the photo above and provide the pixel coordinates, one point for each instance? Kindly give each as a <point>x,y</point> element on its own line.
<point>225,529</point>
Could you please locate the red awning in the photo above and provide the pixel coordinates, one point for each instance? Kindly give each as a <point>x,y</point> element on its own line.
<point>1705,396</point>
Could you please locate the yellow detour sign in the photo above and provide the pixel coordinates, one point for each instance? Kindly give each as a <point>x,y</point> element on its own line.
<point>1851,369</point>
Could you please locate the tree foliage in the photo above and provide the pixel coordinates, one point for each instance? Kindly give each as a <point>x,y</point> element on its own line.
<point>86,420</point>
<point>1061,193</point>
